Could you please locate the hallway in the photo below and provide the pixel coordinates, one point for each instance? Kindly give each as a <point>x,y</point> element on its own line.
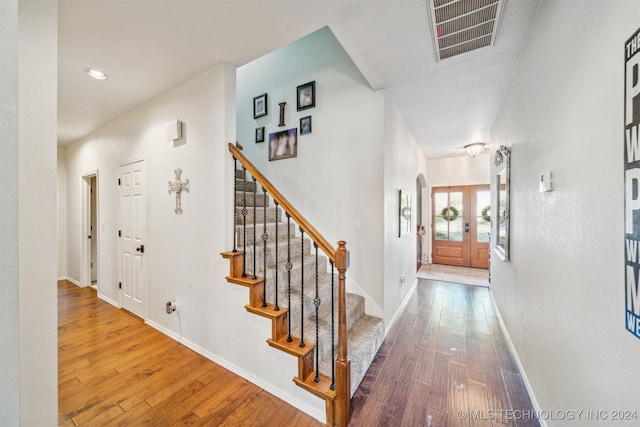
<point>444,363</point>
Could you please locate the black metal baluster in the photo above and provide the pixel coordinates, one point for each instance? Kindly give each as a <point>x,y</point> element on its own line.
<point>316,302</point>
<point>302,344</point>
<point>276,306</point>
<point>289,267</point>
<point>244,221</point>
<point>333,351</point>
<point>235,202</point>
<point>255,191</point>
<point>265,237</point>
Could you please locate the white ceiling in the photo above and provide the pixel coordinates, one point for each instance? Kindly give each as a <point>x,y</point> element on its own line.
<point>150,46</point>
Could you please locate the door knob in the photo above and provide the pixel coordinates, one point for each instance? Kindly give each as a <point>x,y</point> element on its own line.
<point>140,249</point>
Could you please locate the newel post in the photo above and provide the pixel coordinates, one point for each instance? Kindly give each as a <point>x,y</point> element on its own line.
<point>343,365</point>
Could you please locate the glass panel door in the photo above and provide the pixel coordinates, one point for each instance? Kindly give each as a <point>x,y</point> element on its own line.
<point>461,225</point>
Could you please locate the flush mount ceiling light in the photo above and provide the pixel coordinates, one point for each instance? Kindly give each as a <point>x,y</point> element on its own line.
<point>474,148</point>
<point>96,74</point>
<point>460,26</point>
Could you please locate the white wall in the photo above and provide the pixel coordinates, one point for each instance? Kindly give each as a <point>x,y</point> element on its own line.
<point>562,294</point>
<point>459,170</point>
<point>403,162</point>
<point>28,263</point>
<point>9,166</point>
<point>338,174</point>
<point>182,252</point>
<point>62,212</point>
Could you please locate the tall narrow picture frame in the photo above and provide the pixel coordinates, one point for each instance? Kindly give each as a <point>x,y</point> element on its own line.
<point>260,106</point>
<point>404,213</point>
<point>306,96</point>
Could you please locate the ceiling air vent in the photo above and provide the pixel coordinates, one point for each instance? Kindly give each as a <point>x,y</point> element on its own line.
<point>460,26</point>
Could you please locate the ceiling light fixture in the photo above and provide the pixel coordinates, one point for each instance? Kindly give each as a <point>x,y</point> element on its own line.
<point>474,148</point>
<point>96,74</point>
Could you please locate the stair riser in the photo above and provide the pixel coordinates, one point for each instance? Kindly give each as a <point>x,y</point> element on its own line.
<point>296,269</point>
<point>324,292</point>
<point>259,230</point>
<point>260,199</point>
<point>286,250</point>
<point>273,215</point>
<point>248,186</point>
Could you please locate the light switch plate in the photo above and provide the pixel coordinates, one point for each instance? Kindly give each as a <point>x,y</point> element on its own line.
<point>546,182</point>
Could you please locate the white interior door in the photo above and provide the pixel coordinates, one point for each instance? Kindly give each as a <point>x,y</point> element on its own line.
<point>133,233</point>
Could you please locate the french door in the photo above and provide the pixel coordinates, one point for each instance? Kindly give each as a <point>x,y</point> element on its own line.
<point>460,225</point>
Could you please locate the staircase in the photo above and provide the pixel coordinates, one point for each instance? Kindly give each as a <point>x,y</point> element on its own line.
<point>296,279</point>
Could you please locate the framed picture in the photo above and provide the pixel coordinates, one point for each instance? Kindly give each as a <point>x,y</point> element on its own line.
<point>404,213</point>
<point>260,106</point>
<point>283,145</point>
<point>306,96</point>
<point>260,134</point>
<point>305,125</point>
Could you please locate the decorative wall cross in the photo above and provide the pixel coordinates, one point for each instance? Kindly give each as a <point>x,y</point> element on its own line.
<point>178,186</point>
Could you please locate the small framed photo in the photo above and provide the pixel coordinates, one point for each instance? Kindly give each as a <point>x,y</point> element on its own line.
<point>306,96</point>
<point>260,134</point>
<point>283,145</point>
<point>305,125</point>
<point>260,106</point>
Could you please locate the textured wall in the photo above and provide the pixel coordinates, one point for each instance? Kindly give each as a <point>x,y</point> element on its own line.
<point>562,294</point>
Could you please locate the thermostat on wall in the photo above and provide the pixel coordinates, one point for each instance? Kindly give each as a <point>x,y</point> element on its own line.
<point>546,182</point>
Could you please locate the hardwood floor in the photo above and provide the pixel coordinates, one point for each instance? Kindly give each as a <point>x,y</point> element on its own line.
<point>115,370</point>
<point>444,363</point>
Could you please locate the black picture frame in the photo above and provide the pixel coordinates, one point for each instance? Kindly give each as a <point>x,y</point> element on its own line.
<point>260,134</point>
<point>283,144</point>
<point>305,125</point>
<point>260,106</point>
<point>306,96</point>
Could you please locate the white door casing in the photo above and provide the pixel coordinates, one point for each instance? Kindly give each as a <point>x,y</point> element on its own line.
<point>133,234</point>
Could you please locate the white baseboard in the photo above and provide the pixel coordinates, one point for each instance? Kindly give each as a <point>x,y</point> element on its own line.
<point>108,300</point>
<point>514,353</point>
<point>404,303</point>
<point>292,400</point>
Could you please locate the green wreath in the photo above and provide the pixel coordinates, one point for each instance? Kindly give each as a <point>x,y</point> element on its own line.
<point>450,213</point>
<point>485,213</point>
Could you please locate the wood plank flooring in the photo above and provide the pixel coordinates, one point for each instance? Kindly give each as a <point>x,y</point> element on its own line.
<point>115,370</point>
<point>445,363</point>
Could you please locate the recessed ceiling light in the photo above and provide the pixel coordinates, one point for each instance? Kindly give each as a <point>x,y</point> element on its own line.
<point>96,74</point>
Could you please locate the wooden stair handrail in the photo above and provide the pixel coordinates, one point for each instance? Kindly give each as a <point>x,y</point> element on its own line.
<point>284,203</point>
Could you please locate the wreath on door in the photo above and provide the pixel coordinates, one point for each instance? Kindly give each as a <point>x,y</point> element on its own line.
<point>485,213</point>
<point>450,213</point>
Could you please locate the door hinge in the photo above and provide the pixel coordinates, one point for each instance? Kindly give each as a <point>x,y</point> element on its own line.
<point>119,285</point>
<point>119,233</point>
<point>119,183</point>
